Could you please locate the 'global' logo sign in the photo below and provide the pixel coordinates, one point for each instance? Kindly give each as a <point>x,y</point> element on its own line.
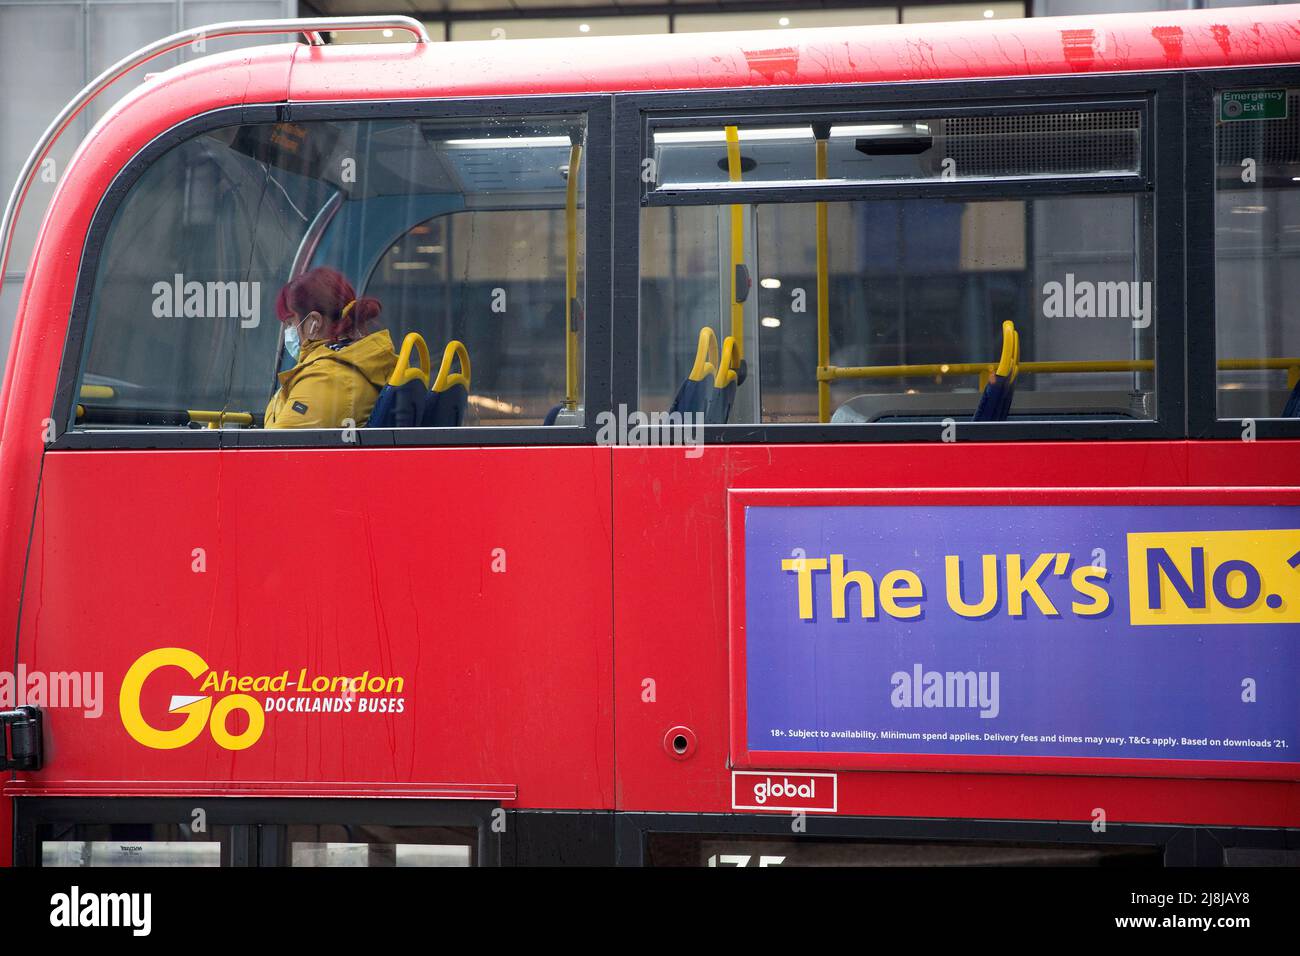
<point>811,792</point>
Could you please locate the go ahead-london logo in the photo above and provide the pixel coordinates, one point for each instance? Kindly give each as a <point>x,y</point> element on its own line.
<point>174,680</point>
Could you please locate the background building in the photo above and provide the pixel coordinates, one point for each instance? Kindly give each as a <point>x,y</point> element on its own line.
<point>49,50</point>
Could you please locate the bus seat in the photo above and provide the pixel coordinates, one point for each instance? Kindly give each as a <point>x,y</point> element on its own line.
<point>731,373</point>
<point>403,402</point>
<point>693,395</point>
<point>1292,407</point>
<point>449,400</point>
<point>995,401</point>
<point>710,388</point>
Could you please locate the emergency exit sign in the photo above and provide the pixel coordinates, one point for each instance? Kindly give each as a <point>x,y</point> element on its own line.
<point>1252,105</point>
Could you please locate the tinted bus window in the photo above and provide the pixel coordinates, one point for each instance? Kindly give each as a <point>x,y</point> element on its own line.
<point>900,304</point>
<point>1257,252</point>
<point>118,853</point>
<point>131,844</point>
<point>314,845</point>
<point>935,148</point>
<point>462,230</point>
<point>690,849</point>
<point>917,293</point>
<point>452,275</point>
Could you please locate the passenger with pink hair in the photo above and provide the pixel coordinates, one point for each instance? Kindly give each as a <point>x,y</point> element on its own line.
<point>343,357</point>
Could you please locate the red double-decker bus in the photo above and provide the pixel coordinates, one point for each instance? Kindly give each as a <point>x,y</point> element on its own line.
<point>847,446</point>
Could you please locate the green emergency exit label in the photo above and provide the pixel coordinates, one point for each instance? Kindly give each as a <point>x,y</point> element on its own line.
<point>1252,105</point>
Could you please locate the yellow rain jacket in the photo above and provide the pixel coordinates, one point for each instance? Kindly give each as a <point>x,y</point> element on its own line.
<point>332,382</point>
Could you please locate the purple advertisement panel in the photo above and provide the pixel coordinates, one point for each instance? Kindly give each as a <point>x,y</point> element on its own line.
<point>1150,632</point>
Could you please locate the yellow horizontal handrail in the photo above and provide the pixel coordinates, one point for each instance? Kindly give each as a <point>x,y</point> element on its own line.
<point>836,373</point>
<point>1292,366</point>
<point>1252,363</point>
<point>217,419</point>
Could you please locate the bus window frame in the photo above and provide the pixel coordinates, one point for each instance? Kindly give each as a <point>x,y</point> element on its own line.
<point>597,270</point>
<point>1202,319</point>
<point>967,187</point>
<point>1162,168</point>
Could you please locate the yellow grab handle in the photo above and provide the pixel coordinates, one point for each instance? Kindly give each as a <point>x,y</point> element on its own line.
<point>727,366</point>
<point>403,371</point>
<point>706,355</point>
<point>446,377</point>
<point>1015,356</point>
<point>1008,349</point>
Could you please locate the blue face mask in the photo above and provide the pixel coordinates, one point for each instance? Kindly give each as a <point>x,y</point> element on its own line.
<point>291,341</point>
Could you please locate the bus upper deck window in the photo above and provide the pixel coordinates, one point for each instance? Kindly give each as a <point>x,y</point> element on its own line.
<point>1078,143</point>
<point>469,231</point>
<point>1257,252</point>
<point>901,308</point>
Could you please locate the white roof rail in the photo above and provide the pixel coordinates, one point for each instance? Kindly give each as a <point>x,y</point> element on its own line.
<point>310,27</point>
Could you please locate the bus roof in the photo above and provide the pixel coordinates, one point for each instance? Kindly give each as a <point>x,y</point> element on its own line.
<point>1045,46</point>
<point>869,54</point>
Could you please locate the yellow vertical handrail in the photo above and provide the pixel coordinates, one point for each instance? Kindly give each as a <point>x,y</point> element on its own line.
<point>823,285</point>
<point>737,243</point>
<point>571,279</point>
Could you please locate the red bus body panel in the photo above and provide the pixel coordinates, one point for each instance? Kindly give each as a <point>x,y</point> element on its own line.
<point>390,570</point>
<point>672,626</point>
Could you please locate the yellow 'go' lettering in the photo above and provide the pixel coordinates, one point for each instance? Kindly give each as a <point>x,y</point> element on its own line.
<point>256,721</point>
<point>197,713</point>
